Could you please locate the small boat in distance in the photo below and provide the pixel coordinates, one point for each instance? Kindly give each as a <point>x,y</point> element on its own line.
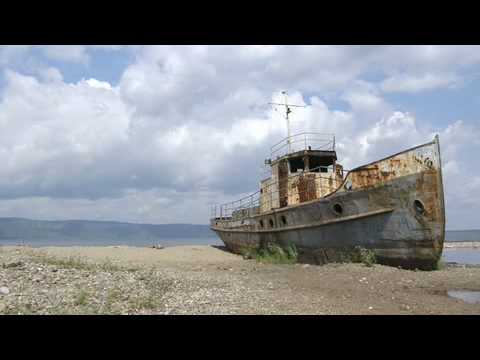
<point>393,207</point>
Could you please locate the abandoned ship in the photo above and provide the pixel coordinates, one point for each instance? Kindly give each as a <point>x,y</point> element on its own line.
<point>394,206</point>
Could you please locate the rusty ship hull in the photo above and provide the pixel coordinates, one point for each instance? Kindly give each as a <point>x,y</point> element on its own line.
<point>393,207</point>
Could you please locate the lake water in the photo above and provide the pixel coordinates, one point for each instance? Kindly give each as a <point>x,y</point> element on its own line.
<point>471,297</point>
<point>94,242</point>
<point>462,256</point>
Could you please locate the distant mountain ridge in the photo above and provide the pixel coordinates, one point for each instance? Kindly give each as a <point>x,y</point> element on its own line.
<point>13,228</point>
<point>27,229</point>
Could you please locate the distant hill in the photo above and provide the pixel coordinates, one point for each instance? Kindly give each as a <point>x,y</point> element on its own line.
<point>26,229</point>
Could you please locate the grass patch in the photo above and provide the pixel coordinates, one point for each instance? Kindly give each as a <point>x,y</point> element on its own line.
<point>75,262</point>
<point>144,303</point>
<point>19,310</point>
<point>356,255</point>
<point>365,256</point>
<point>107,265</point>
<point>272,253</point>
<point>81,298</point>
<point>113,302</point>
<point>72,262</point>
<point>113,296</point>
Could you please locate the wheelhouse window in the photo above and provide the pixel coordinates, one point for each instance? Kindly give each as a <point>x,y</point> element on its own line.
<point>310,164</point>
<point>320,164</point>
<point>296,165</point>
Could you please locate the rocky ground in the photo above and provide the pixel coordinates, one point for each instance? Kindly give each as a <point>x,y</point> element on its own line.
<point>209,280</point>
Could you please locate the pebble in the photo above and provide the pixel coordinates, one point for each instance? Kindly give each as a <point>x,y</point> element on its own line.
<point>4,290</point>
<point>2,307</point>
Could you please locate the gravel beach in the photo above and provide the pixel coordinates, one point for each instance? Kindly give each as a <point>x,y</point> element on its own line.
<point>209,280</point>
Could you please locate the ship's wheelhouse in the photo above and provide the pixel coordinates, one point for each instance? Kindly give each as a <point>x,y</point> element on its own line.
<point>303,168</point>
<point>300,176</point>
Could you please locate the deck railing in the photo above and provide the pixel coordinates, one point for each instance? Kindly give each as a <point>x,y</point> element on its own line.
<point>225,211</point>
<point>270,197</point>
<point>303,141</point>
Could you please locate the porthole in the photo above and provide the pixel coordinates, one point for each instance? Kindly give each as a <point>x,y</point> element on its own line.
<point>337,209</point>
<point>283,219</point>
<point>271,223</point>
<point>261,223</point>
<point>419,207</point>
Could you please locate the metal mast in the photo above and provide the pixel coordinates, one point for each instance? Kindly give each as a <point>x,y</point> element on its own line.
<point>287,111</point>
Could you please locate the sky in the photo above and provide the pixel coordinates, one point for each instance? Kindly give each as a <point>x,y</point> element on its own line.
<point>156,134</point>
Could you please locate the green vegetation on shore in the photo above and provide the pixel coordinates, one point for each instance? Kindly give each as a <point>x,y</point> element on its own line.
<point>275,254</point>
<point>364,256</point>
<point>272,253</point>
<point>75,262</point>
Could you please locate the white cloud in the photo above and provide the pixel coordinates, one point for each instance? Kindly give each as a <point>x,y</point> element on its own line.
<point>414,84</point>
<point>52,133</point>
<point>99,84</point>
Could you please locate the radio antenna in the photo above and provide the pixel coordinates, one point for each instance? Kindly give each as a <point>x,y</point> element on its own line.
<point>287,111</point>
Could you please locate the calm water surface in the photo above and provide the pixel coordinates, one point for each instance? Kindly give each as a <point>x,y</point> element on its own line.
<point>462,256</point>
<point>471,297</point>
<point>94,242</point>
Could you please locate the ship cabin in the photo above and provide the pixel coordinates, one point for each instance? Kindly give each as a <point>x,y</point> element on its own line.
<point>300,176</point>
<point>304,168</point>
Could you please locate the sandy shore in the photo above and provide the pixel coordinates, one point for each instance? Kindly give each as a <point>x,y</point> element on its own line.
<point>209,280</point>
